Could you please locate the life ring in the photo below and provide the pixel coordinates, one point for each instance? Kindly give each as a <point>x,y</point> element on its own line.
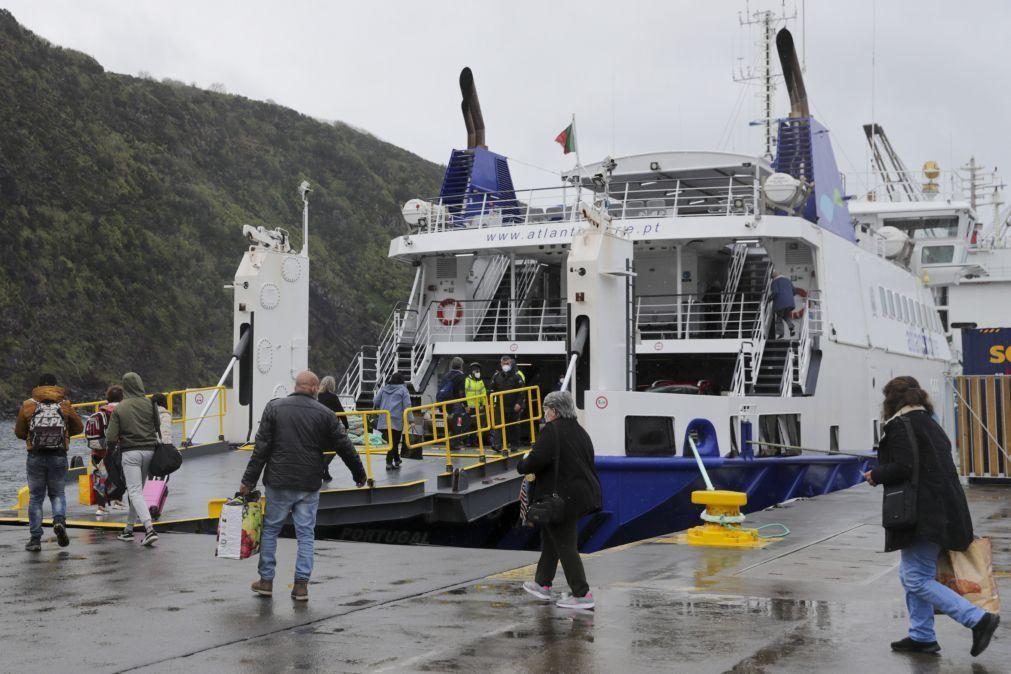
<point>442,314</point>
<point>799,292</point>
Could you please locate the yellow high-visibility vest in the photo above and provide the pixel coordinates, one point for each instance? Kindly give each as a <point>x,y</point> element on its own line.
<point>476,392</point>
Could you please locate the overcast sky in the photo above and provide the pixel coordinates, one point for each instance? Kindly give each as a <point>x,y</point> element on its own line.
<point>639,75</point>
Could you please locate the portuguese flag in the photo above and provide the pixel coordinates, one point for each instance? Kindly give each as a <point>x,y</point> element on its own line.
<point>567,139</point>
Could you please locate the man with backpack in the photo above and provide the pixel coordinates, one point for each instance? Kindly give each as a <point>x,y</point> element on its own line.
<point>45,422</point>
<point>453,386</point>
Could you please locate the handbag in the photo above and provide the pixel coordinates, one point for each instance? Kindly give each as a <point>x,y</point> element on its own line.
<point>167,458</point>
<point>549,509</point>
<point>898,508</point>
<point>970,574</point>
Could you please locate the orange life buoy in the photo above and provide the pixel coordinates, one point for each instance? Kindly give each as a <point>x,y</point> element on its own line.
<point>444,317</point>
<point>800,292</point>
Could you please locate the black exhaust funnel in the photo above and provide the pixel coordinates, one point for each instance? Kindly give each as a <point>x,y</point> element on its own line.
<point>791,73</point>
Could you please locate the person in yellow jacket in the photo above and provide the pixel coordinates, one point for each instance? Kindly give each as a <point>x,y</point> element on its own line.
<point>477,397</point>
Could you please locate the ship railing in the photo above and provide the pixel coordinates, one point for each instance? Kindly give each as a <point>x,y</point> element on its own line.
<point>180,405</point>
<point>789,367</point>
<point>659,199</point>
<point>367,447</point>
<point>684,316</point>
<point>422,349</point>
<point>733,280</point>
<point>359,374</point>
<point>810,330</point>
<point>749,356</point>
<point>510,320</point>
<point>452,423</point>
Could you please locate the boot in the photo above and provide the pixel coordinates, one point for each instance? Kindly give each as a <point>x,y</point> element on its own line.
<point>264,588</point>
<point>300,592</point>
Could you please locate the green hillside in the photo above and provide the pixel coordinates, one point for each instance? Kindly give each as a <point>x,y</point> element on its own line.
<point>121,203</point>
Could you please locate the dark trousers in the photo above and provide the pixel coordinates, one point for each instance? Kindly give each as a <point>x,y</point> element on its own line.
<point>558,542</point>
<point>781,316</point>
<point>393,456</point>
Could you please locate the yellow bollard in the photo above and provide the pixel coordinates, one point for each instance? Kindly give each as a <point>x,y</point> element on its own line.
<point>722,521</point>
<point>85,496</point>
<point>23,496</point>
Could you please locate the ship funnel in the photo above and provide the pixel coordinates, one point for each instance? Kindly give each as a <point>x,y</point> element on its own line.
<point>471,108</point>
<point>792,75</point>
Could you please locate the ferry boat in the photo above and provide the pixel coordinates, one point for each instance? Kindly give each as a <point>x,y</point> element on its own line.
<point>650,275</point>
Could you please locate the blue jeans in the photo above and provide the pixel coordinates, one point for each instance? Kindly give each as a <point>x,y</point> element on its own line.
<point>917,571</point>
<point>302,505</point>
<point>47,474</point>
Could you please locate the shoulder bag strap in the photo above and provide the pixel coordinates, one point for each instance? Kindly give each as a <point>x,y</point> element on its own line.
<point>916,449</point>
<point>558,453</point>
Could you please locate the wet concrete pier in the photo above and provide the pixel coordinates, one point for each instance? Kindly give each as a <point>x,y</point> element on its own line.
<point>825,599</point>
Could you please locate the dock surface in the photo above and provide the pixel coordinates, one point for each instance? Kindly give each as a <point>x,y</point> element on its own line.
<point>825,599</point>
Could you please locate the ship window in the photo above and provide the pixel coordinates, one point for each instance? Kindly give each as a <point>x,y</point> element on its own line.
<point>833,438</point>
<point>649,436</point>
<point>884,301</point>
<point>891,304</point>
<point>905,310</point>
<point>937,254</point>
<point>874,305</point>
<point>945,227</point>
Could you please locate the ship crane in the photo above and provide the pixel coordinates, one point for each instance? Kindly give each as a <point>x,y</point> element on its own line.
<point>889,166</point>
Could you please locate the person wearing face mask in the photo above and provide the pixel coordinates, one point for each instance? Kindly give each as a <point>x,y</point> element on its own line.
<point>512,404</point>
<point>562,463</point>
<point>477,395</point>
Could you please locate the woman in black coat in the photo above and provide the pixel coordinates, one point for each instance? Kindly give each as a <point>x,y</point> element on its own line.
<point>942,516</point>
<point>328,397</point>
<point>576,482</point>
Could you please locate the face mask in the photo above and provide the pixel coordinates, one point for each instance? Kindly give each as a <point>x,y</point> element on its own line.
<point>506,368</point>
<point>475,374</point>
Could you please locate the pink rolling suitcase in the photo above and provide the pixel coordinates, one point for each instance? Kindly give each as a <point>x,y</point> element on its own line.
<point>155,493</point>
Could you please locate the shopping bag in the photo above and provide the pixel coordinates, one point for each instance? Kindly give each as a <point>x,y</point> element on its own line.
<point>970,574</point>
<point>239,527</point>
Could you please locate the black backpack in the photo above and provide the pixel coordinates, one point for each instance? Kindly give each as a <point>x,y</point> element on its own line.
<point>448,386</point>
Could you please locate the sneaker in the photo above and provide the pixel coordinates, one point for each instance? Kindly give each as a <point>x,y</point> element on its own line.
<point>389,466</point>
<point>100,511</point>
<point>585,603</point>
<point>33,545</point>
<point>300,592</point>
<point>60,529</point>
<point>117,505</point>
<point>539,591</point>
<point>125,536</point>
<point>149,538</point>
<point>982,632</point>
<point>264,588</point>
<point>910,645</point>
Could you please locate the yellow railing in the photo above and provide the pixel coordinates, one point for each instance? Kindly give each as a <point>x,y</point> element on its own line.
<point>531,412</point>
<point>369,448</point>
<point>441,415</point>
<point>175,400</point>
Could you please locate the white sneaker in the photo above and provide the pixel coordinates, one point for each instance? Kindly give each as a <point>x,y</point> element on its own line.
<point>584,603</point>
<point>117,505</point>
<point>539,591</point>
<point>100,511</point>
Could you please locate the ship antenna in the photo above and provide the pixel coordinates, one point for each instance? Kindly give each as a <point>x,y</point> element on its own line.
<point>304,190</point>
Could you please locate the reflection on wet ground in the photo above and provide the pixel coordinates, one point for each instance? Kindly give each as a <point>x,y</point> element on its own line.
<point>824,600</point>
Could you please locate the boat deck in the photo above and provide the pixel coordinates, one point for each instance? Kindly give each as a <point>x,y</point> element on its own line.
<point>420,487</point>
<point>825,599</point>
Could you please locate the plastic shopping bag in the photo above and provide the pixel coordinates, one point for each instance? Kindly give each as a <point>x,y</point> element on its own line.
<point>970,574</point>
<point>240,527</point>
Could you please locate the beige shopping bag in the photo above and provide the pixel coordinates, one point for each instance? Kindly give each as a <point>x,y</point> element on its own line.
<point>970,574</point>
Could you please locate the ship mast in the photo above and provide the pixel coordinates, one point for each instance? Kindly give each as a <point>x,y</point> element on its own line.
<point>769,21</point>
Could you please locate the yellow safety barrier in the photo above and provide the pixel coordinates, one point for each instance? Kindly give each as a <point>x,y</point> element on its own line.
<point>370,449</point>
<point>176,402</point>
<point>441,412</point>
<point>529,414</point>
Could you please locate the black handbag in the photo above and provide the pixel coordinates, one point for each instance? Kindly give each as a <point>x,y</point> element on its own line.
<point>898,509</point>
<point>167,458</point>
<point>548,509</point>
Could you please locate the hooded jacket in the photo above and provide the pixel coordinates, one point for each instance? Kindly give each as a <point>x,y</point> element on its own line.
<point>132,424</point>
<point>54,394</point>
<point>396,399</point>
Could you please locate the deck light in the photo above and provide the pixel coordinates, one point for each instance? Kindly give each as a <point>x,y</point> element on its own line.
<point>654,166</point>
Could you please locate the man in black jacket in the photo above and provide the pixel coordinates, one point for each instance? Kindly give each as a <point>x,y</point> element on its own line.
<point>293,434</point>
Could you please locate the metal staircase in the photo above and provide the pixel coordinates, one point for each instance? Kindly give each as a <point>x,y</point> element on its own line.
<point>500,312</point>
<point>777,360</point>
<point>752,286</point>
